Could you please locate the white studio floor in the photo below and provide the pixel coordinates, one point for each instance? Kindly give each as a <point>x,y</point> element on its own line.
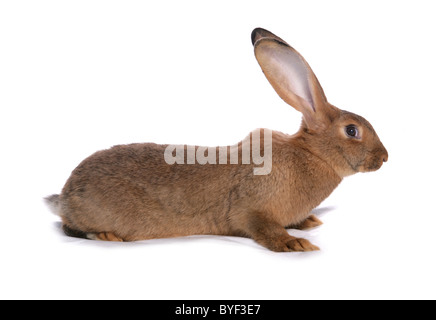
<point>76,78</point>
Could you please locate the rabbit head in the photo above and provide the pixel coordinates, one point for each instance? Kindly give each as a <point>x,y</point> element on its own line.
<point>344,140</point>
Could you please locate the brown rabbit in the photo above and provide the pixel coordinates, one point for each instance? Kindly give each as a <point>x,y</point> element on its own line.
<point>132,192</point>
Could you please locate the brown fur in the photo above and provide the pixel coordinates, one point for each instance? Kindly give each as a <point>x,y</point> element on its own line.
<point>130,193</point>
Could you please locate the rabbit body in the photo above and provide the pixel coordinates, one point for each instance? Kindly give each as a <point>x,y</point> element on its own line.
<point>129,192</point>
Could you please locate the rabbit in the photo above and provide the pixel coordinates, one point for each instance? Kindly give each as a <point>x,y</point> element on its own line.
<point>130,193</point>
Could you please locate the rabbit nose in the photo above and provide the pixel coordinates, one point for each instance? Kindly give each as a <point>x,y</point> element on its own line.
<point>385,157</point>
<point>383,153</point>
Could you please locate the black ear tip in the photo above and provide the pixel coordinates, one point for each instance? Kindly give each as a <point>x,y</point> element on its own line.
<point>256,34</point>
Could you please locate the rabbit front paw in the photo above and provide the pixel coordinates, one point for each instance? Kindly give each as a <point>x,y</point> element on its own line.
<point>289,244</point>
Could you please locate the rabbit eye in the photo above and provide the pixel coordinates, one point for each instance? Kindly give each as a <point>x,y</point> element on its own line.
<point>352,131</point>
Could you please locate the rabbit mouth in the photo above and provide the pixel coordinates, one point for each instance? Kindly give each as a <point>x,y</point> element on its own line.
<point>374,165</point>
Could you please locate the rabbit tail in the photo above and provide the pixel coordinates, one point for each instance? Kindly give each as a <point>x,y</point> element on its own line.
<point>54,204</point>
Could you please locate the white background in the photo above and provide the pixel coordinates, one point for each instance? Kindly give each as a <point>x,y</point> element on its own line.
<point>80,76</point>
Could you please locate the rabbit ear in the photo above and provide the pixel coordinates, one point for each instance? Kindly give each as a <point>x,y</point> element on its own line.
<point>260,33</point>
<point>291,77</point>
